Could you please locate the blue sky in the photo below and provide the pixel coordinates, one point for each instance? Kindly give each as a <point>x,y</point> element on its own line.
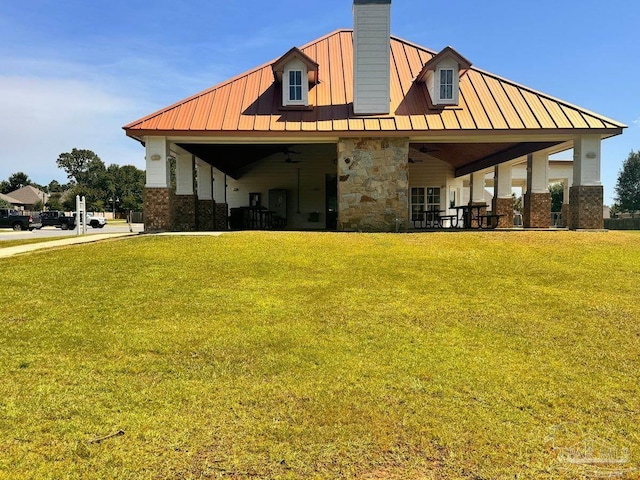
<point>72,72</point>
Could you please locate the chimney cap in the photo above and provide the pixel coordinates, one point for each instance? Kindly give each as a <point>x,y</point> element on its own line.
<point>364,2</point>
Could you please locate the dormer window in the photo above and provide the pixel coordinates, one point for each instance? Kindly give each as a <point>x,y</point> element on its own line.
<point>297,73</point>
<point>295,85</point>
<point>446,83</point>
<point>442,75</point>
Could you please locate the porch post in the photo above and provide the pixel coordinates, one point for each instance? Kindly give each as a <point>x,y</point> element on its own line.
<point>586,194</point>
<point>373,184</point>
<point>537,200</point>
<point>502,198</point>
<point>184,211</point>
<point>157,190</point>
<point>476,187</point>
<point>205,196</point>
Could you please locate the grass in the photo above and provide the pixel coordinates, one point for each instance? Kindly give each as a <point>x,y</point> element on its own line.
<point>291,355</point>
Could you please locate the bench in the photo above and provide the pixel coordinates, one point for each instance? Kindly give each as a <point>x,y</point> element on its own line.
<point>488,220</point>
<point>453,220</point>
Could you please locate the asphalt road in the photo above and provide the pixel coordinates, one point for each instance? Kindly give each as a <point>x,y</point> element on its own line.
<point>51,232</point>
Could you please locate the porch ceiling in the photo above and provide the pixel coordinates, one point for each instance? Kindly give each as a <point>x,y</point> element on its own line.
<point>470,157</point>
<point>231,159</point>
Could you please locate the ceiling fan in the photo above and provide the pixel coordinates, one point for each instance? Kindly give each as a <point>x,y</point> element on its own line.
<point>288,153</point>
<point>425,149</point>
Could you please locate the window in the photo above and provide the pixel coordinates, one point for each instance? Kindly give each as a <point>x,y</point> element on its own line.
<point>295,85</point>
<point>446,84</point>
<point>433,198</point>
<point>417,203</point>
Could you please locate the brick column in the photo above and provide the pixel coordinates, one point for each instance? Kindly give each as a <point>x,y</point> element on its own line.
<point>565,216</point>
<point>537,210</point>
<point>373,184</point>
<point>221,221</point>
<point>537,200</point>
<point>585,205</point>
<point>206,215</point>
<point>504,207</point>
<point>157,209</point>
<point>183,218</point>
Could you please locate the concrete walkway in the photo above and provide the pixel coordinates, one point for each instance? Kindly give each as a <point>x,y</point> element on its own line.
<point>63,242</point>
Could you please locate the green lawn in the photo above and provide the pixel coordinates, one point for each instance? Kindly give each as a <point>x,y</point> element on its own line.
<point>309,355</point>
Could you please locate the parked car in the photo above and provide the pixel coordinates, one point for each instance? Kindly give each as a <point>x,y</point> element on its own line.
<point>54,218</point>
<point>10,218</point>
<point>93,221</point>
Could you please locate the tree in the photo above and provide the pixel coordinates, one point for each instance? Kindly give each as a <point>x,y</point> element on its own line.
<point>628,184</point>
<point>19,180</point>
<point>81,166</point>
<point>557,196</point>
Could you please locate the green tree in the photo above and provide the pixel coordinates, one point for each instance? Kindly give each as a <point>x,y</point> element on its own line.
<point>628,184</point>
<point>5,204</point>
<point>19,180</point>
<point>81,166</point>
<point>557,196</point>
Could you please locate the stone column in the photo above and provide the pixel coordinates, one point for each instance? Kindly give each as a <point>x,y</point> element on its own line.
<point>586,194</point>
<point>184,209</point>
<point>206,208</point>
<point>157,191</point>
<point>537,200</point>
<point>502,198</point>
<point>373,184</point>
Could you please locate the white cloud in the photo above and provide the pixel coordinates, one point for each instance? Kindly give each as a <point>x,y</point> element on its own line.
<point>43,117</point>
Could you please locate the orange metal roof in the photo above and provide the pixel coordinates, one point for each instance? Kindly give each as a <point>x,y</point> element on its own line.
<point>249,103</point>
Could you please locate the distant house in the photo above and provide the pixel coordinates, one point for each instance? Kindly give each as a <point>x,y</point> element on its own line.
<point>10,200</point>
<point>29,196</point>
<point>358,130</point>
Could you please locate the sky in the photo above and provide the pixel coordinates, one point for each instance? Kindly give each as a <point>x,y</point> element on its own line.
<point>73,72</point>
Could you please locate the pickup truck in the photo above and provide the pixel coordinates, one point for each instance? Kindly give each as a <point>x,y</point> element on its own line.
<point>93,220</point>
<point>54,218</point>
<point>10,218</point>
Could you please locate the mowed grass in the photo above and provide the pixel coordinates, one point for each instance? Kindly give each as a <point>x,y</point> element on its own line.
<point>319,355</point>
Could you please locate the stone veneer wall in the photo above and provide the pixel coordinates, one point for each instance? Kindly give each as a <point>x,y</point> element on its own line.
<point>157,209</point>
<point>585,207</point>
<point>373,184</point>
<point>221,221</point>
<point>537,210</point>
<point>184,213</point>
<point>504,207</point>
<point>206,212</point>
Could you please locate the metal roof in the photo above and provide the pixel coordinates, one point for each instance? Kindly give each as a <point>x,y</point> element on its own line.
<point>250,104</point>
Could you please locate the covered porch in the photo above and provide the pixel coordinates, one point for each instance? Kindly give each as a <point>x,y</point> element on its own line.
<point>365,184</point>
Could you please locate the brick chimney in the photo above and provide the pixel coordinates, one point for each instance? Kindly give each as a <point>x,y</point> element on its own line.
<point>371,45</point>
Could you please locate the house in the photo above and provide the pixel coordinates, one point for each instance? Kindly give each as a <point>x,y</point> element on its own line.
<point>14,202</point>
<point>357,131</point>
<point>29,196</point>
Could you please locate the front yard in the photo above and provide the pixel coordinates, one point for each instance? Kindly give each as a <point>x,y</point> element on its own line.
<point>317,355</point>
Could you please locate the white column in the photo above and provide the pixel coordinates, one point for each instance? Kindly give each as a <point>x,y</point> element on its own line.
<point>205,180</point>
<point>586,161</point>
<point>477,187</point>
<point>502,181</point>
<point>157,163</point>
<point>538,173</point>
<point>184,174</point>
